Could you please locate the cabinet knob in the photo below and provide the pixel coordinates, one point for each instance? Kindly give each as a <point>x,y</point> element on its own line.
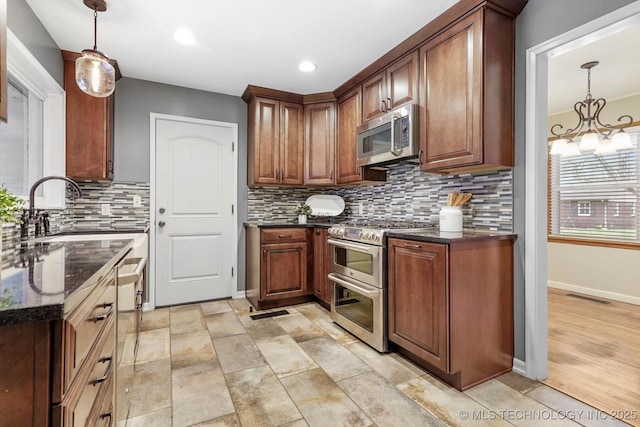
<point>162,224</point>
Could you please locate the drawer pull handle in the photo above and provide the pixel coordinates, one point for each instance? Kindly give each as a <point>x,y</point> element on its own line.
<point>408,245</point>
<point>139,294</point>
<point>104,359</point>
<point>284,236</point>
<point>107,414</point>
<point>99,317</point>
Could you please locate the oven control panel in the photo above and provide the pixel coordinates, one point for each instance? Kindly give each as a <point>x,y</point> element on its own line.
<point>358,234</point>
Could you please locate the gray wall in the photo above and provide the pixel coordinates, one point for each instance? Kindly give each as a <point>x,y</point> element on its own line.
<point>27,27</point>
<point>541,20</point>
<point>136,99</point>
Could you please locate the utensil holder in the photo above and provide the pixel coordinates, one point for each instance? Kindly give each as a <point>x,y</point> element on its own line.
<point>451,218</point>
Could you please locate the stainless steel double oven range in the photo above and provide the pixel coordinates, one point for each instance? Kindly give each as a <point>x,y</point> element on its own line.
<point>358,257</point>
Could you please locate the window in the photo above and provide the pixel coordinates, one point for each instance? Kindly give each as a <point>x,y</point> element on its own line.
<point>595,197</point>
<point>21,138</point>
<point>584,209</point>
<point>32,141</point>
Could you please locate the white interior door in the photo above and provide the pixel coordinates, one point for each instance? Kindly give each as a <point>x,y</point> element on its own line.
<point>195,193</point>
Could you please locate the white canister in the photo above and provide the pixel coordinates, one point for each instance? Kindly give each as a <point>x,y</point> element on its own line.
<point>302,219</point>
<point>451,218</point>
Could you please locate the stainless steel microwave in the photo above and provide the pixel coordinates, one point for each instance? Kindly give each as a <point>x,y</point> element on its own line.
<point>389,138</point>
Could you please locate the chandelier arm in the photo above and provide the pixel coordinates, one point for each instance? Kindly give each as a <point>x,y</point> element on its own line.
<point>601,128</point>
<point>621,118</point>
<point>576,130</point>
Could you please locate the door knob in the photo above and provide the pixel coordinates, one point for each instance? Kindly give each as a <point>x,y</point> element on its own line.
<point>162,224</point>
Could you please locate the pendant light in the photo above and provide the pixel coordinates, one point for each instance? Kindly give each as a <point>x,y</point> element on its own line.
<point>596,136</point>
<point>95,76</point>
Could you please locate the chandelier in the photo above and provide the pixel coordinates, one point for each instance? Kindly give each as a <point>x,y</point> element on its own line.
<point>95,75</point>
<point>596,136</point>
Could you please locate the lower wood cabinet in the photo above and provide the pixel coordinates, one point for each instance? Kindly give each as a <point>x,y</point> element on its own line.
<point>61,372</point>
<point>278,261</point>
<point>322,286</point>
<point>451,307</point>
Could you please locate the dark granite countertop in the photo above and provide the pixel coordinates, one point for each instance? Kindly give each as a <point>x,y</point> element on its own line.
<point>436,236</point>
<point>276,224</point>
<point>42,281</point>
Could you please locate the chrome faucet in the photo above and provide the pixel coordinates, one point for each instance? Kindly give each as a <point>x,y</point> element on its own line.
<point>32,213</point>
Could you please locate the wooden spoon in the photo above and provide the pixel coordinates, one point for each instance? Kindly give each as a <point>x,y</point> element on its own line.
<point>464,199</point>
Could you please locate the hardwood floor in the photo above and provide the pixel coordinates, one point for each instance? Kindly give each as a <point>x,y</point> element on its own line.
<point>594,353</point>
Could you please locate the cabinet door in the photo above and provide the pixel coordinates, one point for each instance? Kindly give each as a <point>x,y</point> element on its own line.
<point>402,81</point>
<point>283,271</point>
<point>374,93</point>
<point>451,97</point>
<point>319,276</point>
<point>418,304</point>
<point>319,143</point>
<point>349,118</point>
<point>264,141</point>
<point>328,261</point>
<point>291,143</point>
<point>89,128</point>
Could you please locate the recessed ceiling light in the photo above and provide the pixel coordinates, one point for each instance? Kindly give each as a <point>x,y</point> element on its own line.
<point>307,66</point>
<point>184,37</point>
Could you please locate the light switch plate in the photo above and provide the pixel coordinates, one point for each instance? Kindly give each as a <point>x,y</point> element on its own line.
<point>137,201</point>
<point>106,209</point>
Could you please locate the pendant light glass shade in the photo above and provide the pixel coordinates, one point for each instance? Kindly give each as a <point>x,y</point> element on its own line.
<point>605,147</point>
<point>95,76</point>
<point>571,150</point>
<point>621,140</point>
<point>558,146</point>
<point>589,141</point>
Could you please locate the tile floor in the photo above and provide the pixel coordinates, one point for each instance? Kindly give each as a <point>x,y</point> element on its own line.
<point>210,364</point>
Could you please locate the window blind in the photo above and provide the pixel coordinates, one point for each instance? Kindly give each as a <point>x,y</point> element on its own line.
<point>596,197</point>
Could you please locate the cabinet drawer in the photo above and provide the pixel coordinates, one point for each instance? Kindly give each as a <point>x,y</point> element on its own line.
<point>83,402</point>
<point>283,235</point>
<point>83,337</point>
<point>105,411</point>
<point>80,333</point>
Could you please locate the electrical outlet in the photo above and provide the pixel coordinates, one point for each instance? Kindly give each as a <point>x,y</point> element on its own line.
<point>360,208</point>
<point>106,209</point>
<point>137,201</point>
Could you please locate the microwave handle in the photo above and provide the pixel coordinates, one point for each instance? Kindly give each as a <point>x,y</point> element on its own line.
<point>394,151</point>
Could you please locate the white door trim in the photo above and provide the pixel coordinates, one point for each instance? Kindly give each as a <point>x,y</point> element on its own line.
<point>151,303</point>
<point>536,174</point>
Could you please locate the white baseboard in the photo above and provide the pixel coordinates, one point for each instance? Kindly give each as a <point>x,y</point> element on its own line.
<point>519,367</point>
<point>239,295</point>
<point>594,292</point>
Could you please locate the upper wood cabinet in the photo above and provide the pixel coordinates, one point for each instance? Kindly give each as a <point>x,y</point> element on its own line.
<point>395,86</point>
<point>3,60</point>
<point>89,153</point>
<point>466,95</point>
<point>275,142</point>
<point>319,144</point>
<point>349,118</point>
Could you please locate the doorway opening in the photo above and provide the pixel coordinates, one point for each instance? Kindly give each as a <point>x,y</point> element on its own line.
<point>559,326</point>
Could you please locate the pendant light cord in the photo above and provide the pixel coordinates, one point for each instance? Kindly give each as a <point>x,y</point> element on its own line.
<point>95,29</point>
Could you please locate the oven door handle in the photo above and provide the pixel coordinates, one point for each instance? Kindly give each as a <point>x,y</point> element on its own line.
<point>348,245</point>
<point>352,286</point>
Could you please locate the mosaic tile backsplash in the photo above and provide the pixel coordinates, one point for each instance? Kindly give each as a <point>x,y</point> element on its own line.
<point>86,214</point>
<point>407,195</point>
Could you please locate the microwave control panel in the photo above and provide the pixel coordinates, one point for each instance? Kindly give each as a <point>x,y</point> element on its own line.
<point>402,132</point>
